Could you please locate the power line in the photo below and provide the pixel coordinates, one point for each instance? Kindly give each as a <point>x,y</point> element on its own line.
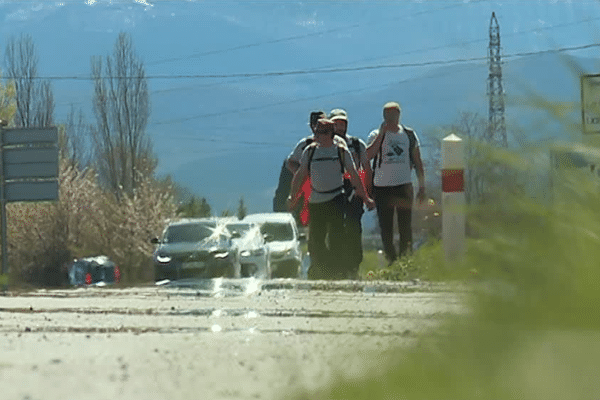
<point>468,42</point>
<point>264,106</point>
<point>324,70</point>
<point>254,108</point>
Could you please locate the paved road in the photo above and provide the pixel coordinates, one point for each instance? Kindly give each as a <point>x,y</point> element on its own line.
<point>217,339</point>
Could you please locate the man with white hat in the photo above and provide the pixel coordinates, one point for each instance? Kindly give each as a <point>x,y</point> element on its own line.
<point>354,210</point>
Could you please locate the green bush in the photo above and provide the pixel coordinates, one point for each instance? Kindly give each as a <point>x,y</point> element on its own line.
<point>86,221</point>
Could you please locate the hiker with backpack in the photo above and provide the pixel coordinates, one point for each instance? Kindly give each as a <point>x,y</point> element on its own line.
<point>394,149</point>
<point>289,167</point>
<point>354,204</point>
<point>293,160</point>
<point>324,161</point>
<point>291,164</point>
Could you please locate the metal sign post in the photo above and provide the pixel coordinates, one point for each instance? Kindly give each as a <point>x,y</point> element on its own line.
<point>3,205</point>
<point>590,109</point>
<point>28,170</point>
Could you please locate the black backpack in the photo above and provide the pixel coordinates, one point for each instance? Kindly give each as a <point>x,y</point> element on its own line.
<point>354,143</point>
<point>284,186</point>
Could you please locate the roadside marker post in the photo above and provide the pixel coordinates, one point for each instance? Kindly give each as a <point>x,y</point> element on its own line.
<point>453,198</point>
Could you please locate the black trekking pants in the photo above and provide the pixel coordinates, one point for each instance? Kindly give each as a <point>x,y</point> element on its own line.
<point>390,199</point>
<point>353,251</point>
<point>326,238</point>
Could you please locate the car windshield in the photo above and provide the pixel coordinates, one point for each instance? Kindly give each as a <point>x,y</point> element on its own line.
<point>279,231</point>
<point>187,233</point>
<point>240,228</point>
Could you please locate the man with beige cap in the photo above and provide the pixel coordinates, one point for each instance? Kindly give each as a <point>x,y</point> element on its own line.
<point>354,209</point>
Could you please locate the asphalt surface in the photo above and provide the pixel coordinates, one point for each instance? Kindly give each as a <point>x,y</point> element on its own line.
<point>214,339</point>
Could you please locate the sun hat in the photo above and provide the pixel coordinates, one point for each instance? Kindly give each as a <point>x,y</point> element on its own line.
<point>338,113</point>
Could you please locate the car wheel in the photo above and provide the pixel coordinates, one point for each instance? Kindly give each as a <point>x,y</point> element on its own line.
<point>159,275</point>
<point>288,269</point>
<point>233,270</point>
<point>268,269</point>
<point>245,270</point>
<point>230,271</point>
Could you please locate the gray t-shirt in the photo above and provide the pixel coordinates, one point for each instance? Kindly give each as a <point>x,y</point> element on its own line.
<point>326,173</point>
<point>296,154</point>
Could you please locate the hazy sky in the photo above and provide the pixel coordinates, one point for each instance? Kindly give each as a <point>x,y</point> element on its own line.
<point>276,46</point>
<point>223,67</point>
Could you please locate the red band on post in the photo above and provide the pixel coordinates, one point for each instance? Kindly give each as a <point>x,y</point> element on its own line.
<point>453,180</point>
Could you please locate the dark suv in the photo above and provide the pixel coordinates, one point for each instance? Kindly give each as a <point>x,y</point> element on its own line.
<point>195,248</point>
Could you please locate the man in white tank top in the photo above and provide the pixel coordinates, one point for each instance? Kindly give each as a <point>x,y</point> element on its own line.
<point>395,151</point>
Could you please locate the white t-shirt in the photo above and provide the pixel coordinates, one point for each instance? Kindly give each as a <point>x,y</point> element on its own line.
<point>395,168</point>
<point>326,175</point>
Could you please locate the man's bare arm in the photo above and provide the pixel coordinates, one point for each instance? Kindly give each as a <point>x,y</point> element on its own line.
<point>292,166</point>
<point>420,172</point>
<point>366,165</point>
<point>297,181</point>
<point>358,186</point>
<point>374,147</point>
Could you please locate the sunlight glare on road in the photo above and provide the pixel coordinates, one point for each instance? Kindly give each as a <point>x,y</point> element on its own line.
<point>253,286</point>
<point>217,287</point>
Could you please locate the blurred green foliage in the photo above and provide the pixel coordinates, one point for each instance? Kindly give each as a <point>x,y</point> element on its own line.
<point>532,273</point>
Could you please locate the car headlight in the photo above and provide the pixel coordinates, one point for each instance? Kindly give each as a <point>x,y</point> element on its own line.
<point>221,255</point>
<point>163,258</point>
<point>253,253</point>
<point>284,253</point>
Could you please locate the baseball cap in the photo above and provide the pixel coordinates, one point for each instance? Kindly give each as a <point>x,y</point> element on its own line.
<point>324,126</point>
<point>338,113</point>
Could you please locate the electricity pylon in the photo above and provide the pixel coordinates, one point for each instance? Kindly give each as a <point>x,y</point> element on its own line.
<point>496,133</point>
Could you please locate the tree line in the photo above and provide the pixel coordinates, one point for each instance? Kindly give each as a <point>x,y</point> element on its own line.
<point>110,200</point>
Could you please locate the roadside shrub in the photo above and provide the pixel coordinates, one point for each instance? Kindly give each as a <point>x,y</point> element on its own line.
<point>86,221</point>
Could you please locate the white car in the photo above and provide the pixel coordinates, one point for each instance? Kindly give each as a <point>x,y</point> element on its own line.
<point>253,251</point>
<point>283,241</point>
